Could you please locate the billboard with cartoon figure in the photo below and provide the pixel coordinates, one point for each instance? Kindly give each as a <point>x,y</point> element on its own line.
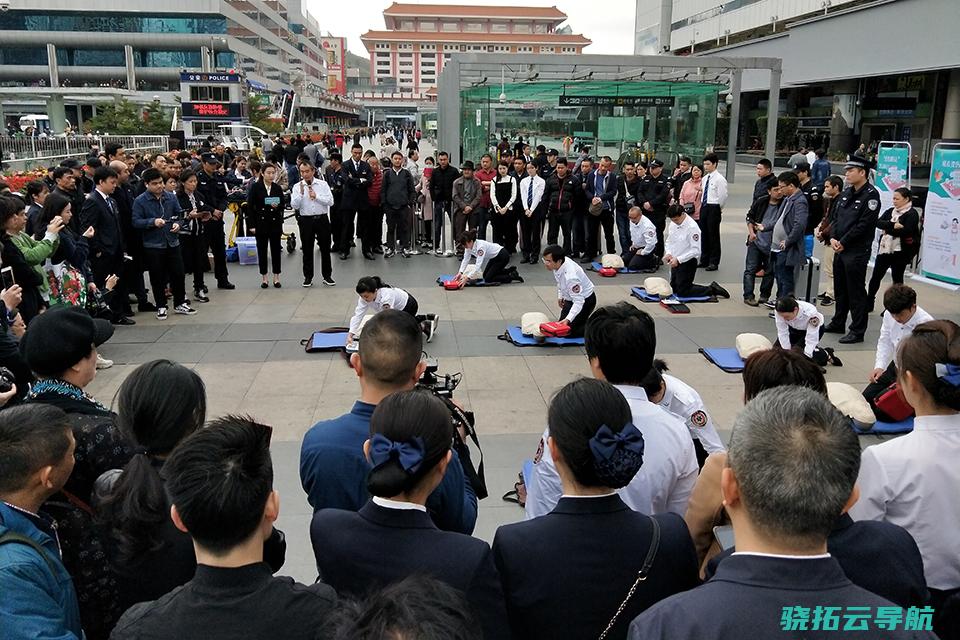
<point>941,219</point>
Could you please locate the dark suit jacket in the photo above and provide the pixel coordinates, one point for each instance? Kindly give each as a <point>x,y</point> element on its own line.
<point>746,599</point>
<point>355,191</point>
<point>881,557</point>
<point>358,552</point>
<point>609,192</point>
<point>564,574</point>
<point>96,213</point>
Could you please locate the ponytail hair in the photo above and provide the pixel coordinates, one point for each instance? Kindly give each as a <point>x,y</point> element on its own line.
<point>932,356</point>
<point>370,284</point>
<point>411,433</point>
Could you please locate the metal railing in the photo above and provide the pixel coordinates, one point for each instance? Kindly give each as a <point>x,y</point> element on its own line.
<point>22,153</point>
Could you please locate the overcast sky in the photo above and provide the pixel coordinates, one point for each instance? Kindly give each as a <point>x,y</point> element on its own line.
<point>609,23</point>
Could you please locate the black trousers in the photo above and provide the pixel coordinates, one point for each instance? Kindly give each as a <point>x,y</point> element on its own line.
<point>710,215</point>
<point>495,271</point>
<point>478,220</point>
<point>633,260</point>
<point>579,324</point>
<point>560,221</point>
<point>593,233</point>
<point>370,227</point>
<point>896,262</point>
<point>106,265</point>
<point>165,266</point>
<point>579,231</point>
<point>336,227</point>
<point>441,210</point>
<point>874,389</point>
<point>350,219</point>
<point>849,284</point>
<point>269,236</point>
<point>133,275</point>
<point>681,280</point>
<point>505,230</point>
<point>315,229</point>
<point>398,227</point>
<point>659,220</point>
<point>193,250</point>
<point>213,230</point>
<point>531,230</point>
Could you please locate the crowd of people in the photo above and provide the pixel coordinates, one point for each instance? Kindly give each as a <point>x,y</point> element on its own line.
<point>151,519</point>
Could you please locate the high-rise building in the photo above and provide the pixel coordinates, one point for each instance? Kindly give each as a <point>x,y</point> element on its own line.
<point>409,55</point>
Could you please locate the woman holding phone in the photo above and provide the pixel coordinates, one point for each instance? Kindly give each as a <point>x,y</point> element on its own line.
<point>265,211</point>
<point>24,255</point>
<point>70,273</point>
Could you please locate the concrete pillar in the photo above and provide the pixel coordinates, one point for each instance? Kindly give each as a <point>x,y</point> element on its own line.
<point>131,68</point>
<point>52,67</point>
<point>734,132</point>
<point>773,109</point>
<point>205,58</point>
<point>951,109</point>
<point>57,113</point>
<point>448,111</point>
<point>666,20</point>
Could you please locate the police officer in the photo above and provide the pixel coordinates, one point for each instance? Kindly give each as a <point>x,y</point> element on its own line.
<point>575,294</point>
<point>814,196</point>
<point>681,253</point>
<point>654,195</point>
<point>851,233</point>
<point>211,188</point>
<point>683,401</point>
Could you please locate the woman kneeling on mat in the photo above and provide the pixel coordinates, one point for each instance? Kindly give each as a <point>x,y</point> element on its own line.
<point>376,295</point>
<point>491,259</point>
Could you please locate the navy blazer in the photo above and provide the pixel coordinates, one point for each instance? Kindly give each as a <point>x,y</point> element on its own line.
<point>360,552</point>
<point>609,192</point>
<point>881,557</point>
<point>565,574</point>
<point>96,213</point>
<point>356,181</point>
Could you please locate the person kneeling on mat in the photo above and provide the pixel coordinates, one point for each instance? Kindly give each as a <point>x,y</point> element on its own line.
<point>799,324</point>
<point>643,241</point>
<point>492,260</point>
<point>376,295</point>
<point>575,294</point>
<point>682,252</point>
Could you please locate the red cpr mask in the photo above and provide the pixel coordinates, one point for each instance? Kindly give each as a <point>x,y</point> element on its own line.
<point>555,329</point>
<point>607,272</point>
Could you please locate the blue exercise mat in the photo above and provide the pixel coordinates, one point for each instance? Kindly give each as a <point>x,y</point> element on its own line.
<point>321,341</point>
<point>888,428</point>
<point>597,266</point>
<point>470,283</point>
<point>726,358</point>
<point>641,293</point>
<point>515,335</point>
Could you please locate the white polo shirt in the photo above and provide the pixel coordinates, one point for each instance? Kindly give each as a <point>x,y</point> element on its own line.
<point>387,298</point>
<point>574,285</point>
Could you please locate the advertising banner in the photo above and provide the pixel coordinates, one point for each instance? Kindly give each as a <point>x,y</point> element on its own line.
<point>940,245</point>
<point>336,50</point>
<point>892,172</point>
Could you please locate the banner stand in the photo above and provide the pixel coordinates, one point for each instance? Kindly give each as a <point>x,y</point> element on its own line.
<point>893,172</point>
<point>940,242</point>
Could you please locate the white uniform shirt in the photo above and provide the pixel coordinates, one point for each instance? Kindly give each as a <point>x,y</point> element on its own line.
<point>493,192</point>
<point>683,401</point>
<point>683,241</point>
<point>483,251</point>
<point>387,298</point>
<point>643,235</point>
<point>574,285</point>
<point>808,319</point>
<point>665,480</point>
<point>912,481</point>
<point>539,185</point>
<point>715,187</point>
<point>301,201</point>
<point>892,332</point>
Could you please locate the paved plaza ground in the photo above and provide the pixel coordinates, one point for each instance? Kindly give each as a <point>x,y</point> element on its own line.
<point>246,346</point>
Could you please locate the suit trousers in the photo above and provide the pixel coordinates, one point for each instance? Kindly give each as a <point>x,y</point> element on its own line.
<point>478,220</point>
<point>460,219</point>
<point>659,220</point>
<point>165,266</point>
<point>441,210</point>
<point>557,222</point>
<point>213,230</point>
<point>681,280</point>
<point>578,231</point>
<point>336,227</point>
<point>193,250</point>
<point>593,233</point>
<point>531,230</point>
<point>268,236</point>
<point>850,283</point>
<point>496,268</point>
<point>315,229</point>
<point>637,262</point>
<point>350,218</point>
<point>398,227</point>
<point>710,215</point>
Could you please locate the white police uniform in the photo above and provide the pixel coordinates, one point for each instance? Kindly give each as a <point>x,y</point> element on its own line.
<point>665,480</point>
<point>892,332</point>
<point>808,320</point>
<point>683,401</point>
<point>643,236</point>
<point>387,298</point>
<point>683,242</point>
<point>573,285</point>
<point>482,251</point>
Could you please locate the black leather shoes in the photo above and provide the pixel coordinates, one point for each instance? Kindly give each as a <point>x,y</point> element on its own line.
<point>368,255</point>
<point>834,328</point>
<point>226,285</point>
<point>719,291</point>
<point>851,338</point>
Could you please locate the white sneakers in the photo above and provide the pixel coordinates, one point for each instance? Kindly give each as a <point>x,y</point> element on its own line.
<point>103,363</point>
<point>184,309</point>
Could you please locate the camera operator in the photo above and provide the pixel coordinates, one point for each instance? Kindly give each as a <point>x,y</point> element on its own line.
<point>333,469</point>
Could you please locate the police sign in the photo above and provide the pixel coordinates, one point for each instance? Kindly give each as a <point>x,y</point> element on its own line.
<point>210,77</point>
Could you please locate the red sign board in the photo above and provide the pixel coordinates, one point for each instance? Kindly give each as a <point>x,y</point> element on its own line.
<point>211,110</point>
<point>335,49</point>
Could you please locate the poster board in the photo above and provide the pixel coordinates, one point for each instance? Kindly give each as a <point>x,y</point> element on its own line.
<point>892,172</point>
<point>940,244</point>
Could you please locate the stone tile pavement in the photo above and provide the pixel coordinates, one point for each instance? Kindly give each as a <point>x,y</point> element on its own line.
<point>245,345</point>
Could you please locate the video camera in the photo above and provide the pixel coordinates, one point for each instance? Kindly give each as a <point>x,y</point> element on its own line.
<point>443,386</point>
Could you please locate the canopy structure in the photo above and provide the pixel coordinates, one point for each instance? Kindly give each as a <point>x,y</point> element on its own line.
<point>473,88</point>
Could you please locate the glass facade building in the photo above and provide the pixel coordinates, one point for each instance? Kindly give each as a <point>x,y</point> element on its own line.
<point>613,118</point>
<point>110,23</point>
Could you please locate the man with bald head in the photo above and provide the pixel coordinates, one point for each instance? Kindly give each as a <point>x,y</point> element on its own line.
<point>132,276</point>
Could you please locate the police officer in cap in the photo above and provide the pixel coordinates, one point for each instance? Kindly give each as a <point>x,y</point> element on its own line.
<point>853,222</point>
<point>654,197</point>
<point>212,190</point>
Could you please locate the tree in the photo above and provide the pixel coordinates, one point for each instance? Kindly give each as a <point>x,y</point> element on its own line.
<point>125,118</point>
<point>156,121</point>
<point>259,115</point>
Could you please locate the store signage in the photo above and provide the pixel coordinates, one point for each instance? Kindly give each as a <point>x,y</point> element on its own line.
<point>209,77</point>
<point>617,101</point>
<point>211,110</point>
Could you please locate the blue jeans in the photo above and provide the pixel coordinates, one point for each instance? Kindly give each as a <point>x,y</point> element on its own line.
<point>757,259</point>
<point>784,274</point>
<point>623,230</point>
